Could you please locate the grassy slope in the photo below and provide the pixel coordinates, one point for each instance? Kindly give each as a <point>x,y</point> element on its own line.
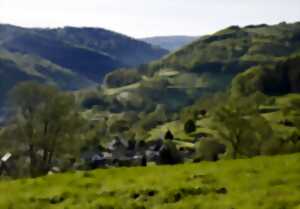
<point>263,182</point>
<point>204,124</point>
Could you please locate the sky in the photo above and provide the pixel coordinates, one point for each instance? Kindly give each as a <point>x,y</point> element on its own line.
<point>145,18</point>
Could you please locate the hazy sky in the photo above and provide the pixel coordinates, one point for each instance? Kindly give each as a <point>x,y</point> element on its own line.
<point>141,18</point>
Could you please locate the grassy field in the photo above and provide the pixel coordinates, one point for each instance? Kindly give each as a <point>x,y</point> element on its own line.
<point>262,182</point>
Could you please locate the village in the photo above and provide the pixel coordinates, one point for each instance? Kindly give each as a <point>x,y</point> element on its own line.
<point>126,153</point>
<point>118,153</point>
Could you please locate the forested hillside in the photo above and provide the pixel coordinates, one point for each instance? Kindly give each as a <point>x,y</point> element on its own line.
<point>209,64</point>
<point>71,58</point>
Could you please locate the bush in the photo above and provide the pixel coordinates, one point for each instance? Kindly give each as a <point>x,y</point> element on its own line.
<point>121,78</point>
<point>169,154</point>
<point>189,126</point>
<point>92,101</point>
<point>169,135</point>
<point>209,150</point>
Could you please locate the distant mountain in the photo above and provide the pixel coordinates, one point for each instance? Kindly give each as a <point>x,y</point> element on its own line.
<point>69,57</point>
<point>170,43</point>
<point>91,52</point>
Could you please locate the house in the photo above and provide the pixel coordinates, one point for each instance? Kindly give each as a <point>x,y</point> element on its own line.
<point>187,152</point>
<point>152,156</point>
<point>93,158</point>
<point>7,165</point>
<point>155,145</point>
<point>118,147</point>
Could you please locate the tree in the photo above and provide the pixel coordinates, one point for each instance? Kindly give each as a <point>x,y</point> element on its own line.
<point>153,119</point>
<point>190,126</point>
<point>169,135</point>
<point>292,111</point>
<point>46,123</point>
<point>239,125</point>
<point>169,154</point>
<point>122,77</point>
<point>209,149</point>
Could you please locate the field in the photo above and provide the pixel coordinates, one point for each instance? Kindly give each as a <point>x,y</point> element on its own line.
<point>262,182</point>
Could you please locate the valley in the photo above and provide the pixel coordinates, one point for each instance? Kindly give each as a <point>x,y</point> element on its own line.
<point>96,119</point>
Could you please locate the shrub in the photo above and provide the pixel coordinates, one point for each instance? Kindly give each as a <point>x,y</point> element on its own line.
<point>92,101</point>
<point>209,150</point>
<point>169,154</point>
<point>189,126</point>
<point>121,78</point>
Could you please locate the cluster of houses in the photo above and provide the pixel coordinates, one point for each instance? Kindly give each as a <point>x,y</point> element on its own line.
<point>120,152</point>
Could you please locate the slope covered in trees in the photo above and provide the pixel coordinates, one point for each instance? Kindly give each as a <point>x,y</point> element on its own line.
<point>210,63</point>
<point>17,67</point>
<point>70,58</point>
<point>92,52</point>
<point>234,49</point>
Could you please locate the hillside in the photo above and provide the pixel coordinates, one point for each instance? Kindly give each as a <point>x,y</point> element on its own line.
<point>71,58</point>
<point>234,49</point>
<point>262,182</point>
<point>209,64</point>
<point>16,67</point>
<point>171,43</point>
<point>91,52</point>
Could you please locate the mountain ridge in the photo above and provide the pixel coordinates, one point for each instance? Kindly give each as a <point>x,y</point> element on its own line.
<point>171,43</point>
<point>62,56</point>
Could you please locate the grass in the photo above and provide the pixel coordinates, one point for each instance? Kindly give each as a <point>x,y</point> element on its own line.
<point>177,128</point>
<point>262,182</point>
<point>114,91</point>
<point>168,72</point>
<point>277,116</point>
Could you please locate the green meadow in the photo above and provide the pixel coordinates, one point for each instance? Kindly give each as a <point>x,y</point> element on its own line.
<point>261,182</point>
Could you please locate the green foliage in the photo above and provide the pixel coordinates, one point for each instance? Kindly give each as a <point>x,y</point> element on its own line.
<point>204,105</point>
<point>189,126</point>
<point>119,126</point>
<point>169,154</point>
<point>16,68</point>
<point>169,135</point>
<point>241,128</point>
<point>92,100</point>
<point>72,58</point>
<point>250,46</point>
<point>292,111</point>
<point>46,124</point>
<point>276,79</point>
<point>121,78</point>
<point>209,150</point>
<point>153,119</point>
